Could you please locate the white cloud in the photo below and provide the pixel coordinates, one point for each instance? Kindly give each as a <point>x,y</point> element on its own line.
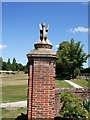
<point>57,46</point>
<point>2,46</point>
<point>79,29</point>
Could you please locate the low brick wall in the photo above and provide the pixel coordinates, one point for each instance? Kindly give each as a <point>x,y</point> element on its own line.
<point>80,92</point>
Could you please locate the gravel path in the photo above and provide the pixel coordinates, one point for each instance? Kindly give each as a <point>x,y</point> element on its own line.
<point>73,84</point>
<point>14,104</point>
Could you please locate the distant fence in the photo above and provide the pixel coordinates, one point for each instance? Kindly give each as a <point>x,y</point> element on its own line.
<point>8,72</point>
<point>80,92</point>
<point>84,76</point>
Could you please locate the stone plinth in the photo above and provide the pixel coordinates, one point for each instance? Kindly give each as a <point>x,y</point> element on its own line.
<point>41,83</point>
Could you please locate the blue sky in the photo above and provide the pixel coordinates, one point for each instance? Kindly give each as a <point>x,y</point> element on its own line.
<point>20,28</point>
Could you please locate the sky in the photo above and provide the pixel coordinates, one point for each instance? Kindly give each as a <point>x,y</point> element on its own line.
<point>20,26</point>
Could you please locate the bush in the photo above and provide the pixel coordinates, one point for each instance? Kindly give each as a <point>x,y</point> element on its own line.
<point>72,107</point>
<point>86,104</point>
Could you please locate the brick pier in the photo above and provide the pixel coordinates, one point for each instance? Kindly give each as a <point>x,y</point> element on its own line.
<point>41,82</point>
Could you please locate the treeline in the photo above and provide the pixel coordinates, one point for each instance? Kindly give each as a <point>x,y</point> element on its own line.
<point>14,66</point>
<point>85,70</point>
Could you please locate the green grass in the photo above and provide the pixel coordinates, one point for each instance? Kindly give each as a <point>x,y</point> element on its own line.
<point>82,82</point>
<point>62,84</point>
<point>13,113</point>
<point>14,93</point>
<point>14,87</point>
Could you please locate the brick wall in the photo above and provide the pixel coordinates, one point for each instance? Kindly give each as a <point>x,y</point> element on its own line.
<point>80,92</point>
<point>41,89</point>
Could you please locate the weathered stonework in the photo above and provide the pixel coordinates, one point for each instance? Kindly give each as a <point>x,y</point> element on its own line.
<point>41,83</point>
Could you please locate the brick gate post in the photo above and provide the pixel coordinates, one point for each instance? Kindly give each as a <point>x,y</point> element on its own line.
<point>41,82</point>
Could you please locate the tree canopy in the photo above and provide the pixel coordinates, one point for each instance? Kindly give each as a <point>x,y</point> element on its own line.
<point>14,66</point>
<point>70,58</point>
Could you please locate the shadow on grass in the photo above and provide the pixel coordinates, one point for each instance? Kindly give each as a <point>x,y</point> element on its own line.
<point>22,117</point>
<point>59,79</point>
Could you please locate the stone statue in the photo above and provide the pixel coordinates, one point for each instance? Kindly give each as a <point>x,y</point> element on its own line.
<point>43,32</point>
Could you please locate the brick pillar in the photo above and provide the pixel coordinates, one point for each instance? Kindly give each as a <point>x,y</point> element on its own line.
<point>41,82</point>
<point>30,89</point>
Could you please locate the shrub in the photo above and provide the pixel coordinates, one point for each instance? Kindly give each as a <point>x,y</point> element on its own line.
<point>86,104</point>
<point>72,106</point>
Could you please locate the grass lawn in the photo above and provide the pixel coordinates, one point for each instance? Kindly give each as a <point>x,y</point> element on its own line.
<point>82,82</point>
<point>14,87</point>
<point>62,84</point>
<point>12,113</point>
<point>14,93</point>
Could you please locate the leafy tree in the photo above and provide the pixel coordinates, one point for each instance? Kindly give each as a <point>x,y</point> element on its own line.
<point>19,67</point>
<point>26,68</point>
<point>1,61</point>
<point>70,57</point>
<point>4,66</point>
<point>8,64</point>
<point>85,70</point>
<point>76,72</point>
<point>13,66</point>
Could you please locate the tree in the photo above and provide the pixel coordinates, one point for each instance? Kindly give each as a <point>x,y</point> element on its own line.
<point>86,70</point>
<point>8,64</point>
<point>19,67</point>
<point>1,61</point>
<point>4,66</point>
<point>26,67</point>
<point>70,57</point>
<point>13,66</point>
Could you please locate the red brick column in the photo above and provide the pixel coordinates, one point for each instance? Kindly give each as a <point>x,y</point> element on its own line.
<point>30,90</point>
<point>41,101</point>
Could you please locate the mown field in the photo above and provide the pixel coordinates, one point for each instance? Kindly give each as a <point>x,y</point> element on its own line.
<point>14,87</point>
<point>12,113</point>
<point>82,82</point>
<point>62,84</point>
